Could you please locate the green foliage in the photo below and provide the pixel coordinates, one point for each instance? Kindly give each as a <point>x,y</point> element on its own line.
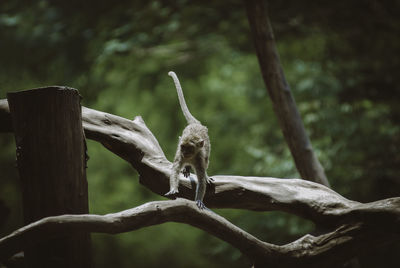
<point>118,56</point>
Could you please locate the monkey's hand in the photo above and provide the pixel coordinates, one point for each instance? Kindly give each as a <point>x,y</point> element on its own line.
<point>200,204</point>
<point>186,172</point>
<point>209,180</point>
<point>172,192</point>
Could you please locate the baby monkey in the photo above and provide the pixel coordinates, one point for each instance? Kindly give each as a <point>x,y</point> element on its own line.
<point>193,151</point>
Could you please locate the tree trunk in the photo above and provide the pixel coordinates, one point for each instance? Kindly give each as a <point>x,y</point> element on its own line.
<point>51,163</point>
<point>282,99</point>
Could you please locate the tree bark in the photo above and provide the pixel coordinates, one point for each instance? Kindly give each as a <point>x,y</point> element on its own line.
<point>350,227</point>
<point>135,143</point>
<point>327,250</point>
<point>49,138</point>
<point>282,99</point>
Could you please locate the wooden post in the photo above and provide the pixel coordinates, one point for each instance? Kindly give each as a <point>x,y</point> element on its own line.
<point>51,163</point>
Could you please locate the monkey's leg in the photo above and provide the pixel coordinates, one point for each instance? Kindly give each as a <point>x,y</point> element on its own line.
<point>209,179</point>
<point>200,190</point>
<point>174,178</point>
<point>201,185</point>
<point>186,171</point>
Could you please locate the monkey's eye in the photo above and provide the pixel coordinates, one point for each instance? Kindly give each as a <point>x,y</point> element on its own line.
<point>187,148</point>
<point>200,144</point>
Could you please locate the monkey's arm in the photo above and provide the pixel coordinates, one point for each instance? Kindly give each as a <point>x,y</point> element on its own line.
<point>174,177</point>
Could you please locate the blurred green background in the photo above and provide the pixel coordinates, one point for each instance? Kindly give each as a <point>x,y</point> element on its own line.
<point>341,59</point>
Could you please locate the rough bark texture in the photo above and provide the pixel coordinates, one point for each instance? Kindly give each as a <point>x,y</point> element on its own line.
<point>282,99</point>
<point>51,163</point>
<point>351,227</point>
<point>327,250</point>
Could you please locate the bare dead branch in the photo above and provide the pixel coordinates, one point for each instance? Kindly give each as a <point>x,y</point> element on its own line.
<point>352,226</point>
<point>179,210</point>
<point>333,247</point>
<point>134,142</point>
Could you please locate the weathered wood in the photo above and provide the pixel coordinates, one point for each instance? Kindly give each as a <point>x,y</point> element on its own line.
<point>282,99</point>
<point>51,162</point>
<point>134,142</point>
<point>351,226</point>
<point>327,250</point>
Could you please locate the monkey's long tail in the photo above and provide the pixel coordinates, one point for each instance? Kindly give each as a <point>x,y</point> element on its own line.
<point>189,117</point>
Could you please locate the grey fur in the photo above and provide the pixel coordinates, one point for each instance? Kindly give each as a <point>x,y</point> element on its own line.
<point>193,151</point>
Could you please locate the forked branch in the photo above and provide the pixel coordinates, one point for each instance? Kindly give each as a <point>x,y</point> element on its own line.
<point>352,226</point>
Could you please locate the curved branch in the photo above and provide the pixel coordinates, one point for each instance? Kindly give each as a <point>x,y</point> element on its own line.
<point>333,247</point>
<point>134,142</point>
<point>357,225</point>
<point>152,213</point>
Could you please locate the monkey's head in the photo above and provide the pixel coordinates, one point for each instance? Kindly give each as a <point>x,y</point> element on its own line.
<point>190,147</point>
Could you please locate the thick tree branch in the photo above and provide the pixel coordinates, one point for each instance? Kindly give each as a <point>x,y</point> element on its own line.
<point>357,225</point>
<point>282,99</point>
<point>312,251</point>
<point>134,142</point>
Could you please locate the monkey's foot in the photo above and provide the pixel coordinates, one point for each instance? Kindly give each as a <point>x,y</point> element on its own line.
<point>210,180</point>
<point>172,193</point>
<point>200,204</point>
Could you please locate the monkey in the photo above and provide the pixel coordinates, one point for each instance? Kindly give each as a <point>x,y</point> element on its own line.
<point>193,151</point>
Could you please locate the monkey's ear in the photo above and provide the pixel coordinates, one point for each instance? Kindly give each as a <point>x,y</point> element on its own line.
<point>200,144</point>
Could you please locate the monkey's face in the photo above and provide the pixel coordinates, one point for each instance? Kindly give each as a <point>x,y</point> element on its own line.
<point>187,150</point>
<point>190,149</point>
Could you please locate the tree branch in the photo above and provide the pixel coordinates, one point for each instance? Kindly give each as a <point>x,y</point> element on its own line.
<point>333,247</point>
<point>351,226</point>
<point>134,142</point>
<point>152,213</point>
<point>282,99</point>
